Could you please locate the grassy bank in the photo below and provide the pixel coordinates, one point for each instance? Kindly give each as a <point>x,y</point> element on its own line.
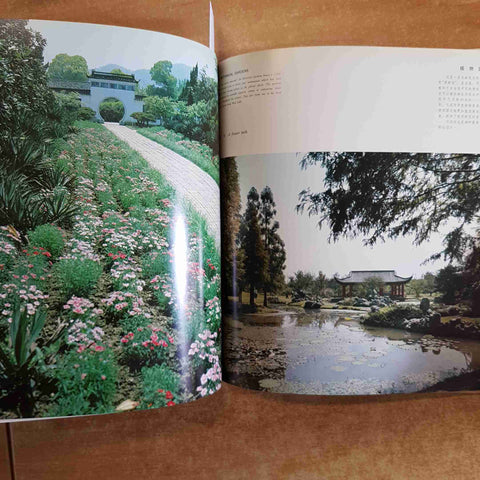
<point>198,153</point>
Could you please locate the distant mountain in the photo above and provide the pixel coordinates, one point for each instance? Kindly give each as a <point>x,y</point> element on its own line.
<point>179,70</point>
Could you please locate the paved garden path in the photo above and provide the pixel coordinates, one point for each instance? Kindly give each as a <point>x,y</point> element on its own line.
<point>190,181</point>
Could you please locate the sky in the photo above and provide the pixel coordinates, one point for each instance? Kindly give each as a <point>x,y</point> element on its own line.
<point>307,246</point>
<point>131,48</point>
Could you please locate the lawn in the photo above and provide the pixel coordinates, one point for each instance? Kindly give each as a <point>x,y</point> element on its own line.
<point>198,153</point>
<point>95,307</point>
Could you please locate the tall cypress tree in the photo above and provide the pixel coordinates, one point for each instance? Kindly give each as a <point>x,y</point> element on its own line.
<point>252,245</point>
<point>232,265</point>
<point>189,92</point>
<point>273,244</point>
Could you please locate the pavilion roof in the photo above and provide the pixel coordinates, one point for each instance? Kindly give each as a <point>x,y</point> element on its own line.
<point>68,85</point>
<point>361,276</point>
<point>121,77</point>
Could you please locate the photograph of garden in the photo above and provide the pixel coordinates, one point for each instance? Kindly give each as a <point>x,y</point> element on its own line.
<point>109,220</point>
<point>351,273</point>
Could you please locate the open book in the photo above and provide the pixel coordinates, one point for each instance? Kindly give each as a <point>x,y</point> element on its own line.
<point>332,213</point>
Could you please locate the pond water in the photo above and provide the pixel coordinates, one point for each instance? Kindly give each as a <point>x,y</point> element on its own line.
<point>331,352</point>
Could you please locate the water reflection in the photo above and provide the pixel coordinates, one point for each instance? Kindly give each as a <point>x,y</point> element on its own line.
<point>332,352</point>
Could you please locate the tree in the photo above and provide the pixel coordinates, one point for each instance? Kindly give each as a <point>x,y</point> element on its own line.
<point>429,282</point>
<point>320,284</point>
<point>33,190</point>
<point>273,245</point>
<point>70,68</point>
<point>23,78</point>
<point>162,108</point>
<point>252,245</point>
<point>385,195</point>
<point>117,70</point>
<point>189,91</point>
<point>306,285</point>
<point>449,283</point>
<point>417,287</point>
<point>143,118</point>
<point>471,277</point>
<point>232,265</point>
<point>161,74</point>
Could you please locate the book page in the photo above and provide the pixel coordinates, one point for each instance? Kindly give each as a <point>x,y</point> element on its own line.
<point>350,205</point>
<point>109,220</point>
<point>350,98</point>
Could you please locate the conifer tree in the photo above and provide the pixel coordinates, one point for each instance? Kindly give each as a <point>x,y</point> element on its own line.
<point>252,245</point>
<point>273,244</point>
<point>232,267</point>
<point>190,89</point>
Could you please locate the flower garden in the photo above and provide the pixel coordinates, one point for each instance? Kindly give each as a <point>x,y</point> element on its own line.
<point>92,316</point>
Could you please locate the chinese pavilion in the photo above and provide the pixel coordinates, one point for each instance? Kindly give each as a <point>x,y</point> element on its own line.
<point>388,278</point>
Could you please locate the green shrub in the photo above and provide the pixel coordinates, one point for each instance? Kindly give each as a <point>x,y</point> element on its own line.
<point>393,316</point>
<point>77,276</point>
<point>86,113</point>
<point>160,387</point>
<point>112,110</point>
<point>86,383</point>
<point>49,237</point>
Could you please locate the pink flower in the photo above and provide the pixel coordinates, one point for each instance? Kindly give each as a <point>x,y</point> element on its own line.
<point>83,375</point>
<point>103,377</point>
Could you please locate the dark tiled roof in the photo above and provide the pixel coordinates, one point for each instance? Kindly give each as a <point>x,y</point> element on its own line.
<point>361,276</point>
<point>67,85</point>
<point>119,77</point>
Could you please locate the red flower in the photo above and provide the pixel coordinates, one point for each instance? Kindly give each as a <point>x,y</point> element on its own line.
<point>170,404</point>
<point>160,390</point>
<point>169,395</point>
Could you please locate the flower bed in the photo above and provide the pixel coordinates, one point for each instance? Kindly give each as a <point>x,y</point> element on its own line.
<point>117,322</point>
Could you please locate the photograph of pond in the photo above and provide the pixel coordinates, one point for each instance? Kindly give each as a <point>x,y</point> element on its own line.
<point>351,273</point>
<point>109,220</point>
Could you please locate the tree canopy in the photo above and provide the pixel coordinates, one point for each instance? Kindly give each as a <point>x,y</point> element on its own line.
<point>385,195</point>
<point>71,68</point>
<point>232,265</point>
<point>273,244</point>
<point>22,74</point>
<point>306,284</point>
<point>252,245</point>
<point>166,83</point>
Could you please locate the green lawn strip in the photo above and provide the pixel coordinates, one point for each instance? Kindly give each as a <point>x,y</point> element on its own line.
<point>201,155</point>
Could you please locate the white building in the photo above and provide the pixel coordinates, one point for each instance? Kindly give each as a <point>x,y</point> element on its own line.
<point>103,85</point>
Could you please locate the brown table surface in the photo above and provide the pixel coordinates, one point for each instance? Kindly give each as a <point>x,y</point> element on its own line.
<point>236,433</point>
